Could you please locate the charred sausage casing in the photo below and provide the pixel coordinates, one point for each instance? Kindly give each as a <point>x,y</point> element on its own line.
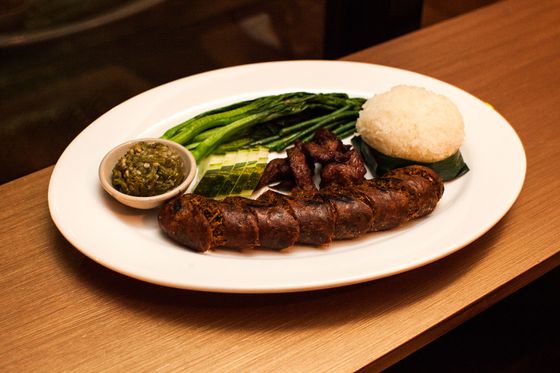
<point>276,221</point>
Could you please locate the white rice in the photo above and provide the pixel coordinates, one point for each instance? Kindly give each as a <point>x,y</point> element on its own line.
<point>411,123</point>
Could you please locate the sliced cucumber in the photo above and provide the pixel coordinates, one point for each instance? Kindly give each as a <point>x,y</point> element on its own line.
<point>233,173</point>
<point>208,172</point>
<point>252,160</point>
<point>256,173</point>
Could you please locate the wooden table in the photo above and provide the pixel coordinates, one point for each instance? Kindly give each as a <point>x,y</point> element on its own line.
<point>62,311</point>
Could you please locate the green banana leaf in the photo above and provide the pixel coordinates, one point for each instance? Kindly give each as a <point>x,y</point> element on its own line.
<point>378,163</point>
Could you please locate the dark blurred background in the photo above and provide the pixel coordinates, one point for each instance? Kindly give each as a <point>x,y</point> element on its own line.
<point>63,63</point>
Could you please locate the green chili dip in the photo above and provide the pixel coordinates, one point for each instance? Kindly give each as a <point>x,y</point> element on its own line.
<point>148,169</point>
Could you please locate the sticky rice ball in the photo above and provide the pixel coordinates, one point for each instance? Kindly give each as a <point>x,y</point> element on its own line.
<point>412,123</point>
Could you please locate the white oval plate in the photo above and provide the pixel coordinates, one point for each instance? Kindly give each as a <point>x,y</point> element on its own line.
<point>130,242</point>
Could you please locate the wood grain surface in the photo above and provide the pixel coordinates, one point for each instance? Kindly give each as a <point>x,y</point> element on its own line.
<point>63,312</point>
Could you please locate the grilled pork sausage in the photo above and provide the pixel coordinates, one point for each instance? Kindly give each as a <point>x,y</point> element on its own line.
<point>276,226</point>
<point>389,205</point>
<point>240,227</point>
<point>276,221</point>
<point>353,217</point>
<point>183,220</point>
<point>315,216</point>
<point>426,185</point>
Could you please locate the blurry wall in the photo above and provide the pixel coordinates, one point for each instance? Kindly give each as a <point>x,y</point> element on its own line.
<point>63,63</point>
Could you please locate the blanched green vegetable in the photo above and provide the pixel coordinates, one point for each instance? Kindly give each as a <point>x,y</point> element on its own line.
<point>226,111</point>
<point>309,127</point>
<point>274,121</point>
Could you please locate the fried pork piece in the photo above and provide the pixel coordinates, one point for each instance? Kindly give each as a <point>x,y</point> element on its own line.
<point>285,186</point>
<point>326,147</point>
<point>315,216</point>
<point>350,172</point>
<point>301,168</point>
<point>277,170</point>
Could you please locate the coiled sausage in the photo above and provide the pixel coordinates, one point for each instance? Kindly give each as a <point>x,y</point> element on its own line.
<point>276,221</point>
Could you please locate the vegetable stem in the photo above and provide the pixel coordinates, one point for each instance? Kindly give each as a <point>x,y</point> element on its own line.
<point>195,127</point>
<point>345,127</point>
<point>226,133</point>
<point>335,116</point>
<point>172,131</point>
<point>265,140</point>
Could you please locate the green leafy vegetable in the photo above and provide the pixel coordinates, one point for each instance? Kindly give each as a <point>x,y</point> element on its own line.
<point>274,121</point>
